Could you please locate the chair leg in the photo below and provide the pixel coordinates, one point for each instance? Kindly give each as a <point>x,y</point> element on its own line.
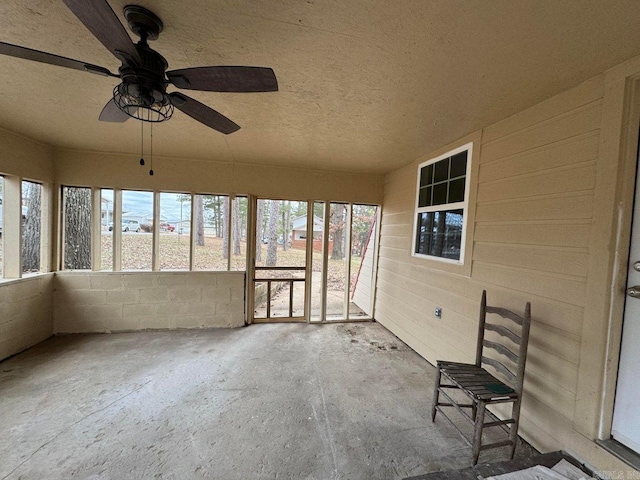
<point>477,432</point>
<point>436,395</point>
<point>513,431</point>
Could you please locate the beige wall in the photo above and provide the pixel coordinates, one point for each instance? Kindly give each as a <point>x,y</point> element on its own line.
<point>109,302</point>
<point>25,157</point>
<point>183,175</point>
<point>544,223</point>
<point>26,304</point>
<point>25,313</point>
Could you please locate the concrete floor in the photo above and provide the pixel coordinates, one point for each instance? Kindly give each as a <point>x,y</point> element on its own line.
<point>278,401</point>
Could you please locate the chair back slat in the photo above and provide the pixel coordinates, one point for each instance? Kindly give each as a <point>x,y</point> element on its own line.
<point>521,340</point>
<point>502,369</point>
<point>498,347</point>
<point>504,331</point>
<point>504,313</point>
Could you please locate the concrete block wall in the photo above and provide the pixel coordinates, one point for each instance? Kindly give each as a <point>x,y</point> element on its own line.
<point>128,301</point>
<point>26,313</point>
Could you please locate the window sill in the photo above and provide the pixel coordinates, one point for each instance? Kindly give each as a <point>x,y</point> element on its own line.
<point>27,277</point>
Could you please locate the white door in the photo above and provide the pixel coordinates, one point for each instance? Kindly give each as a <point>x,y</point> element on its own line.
<point>626,415</point>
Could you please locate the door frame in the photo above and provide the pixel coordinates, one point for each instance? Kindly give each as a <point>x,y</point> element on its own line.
<point>251,266</point>
<point>621,130</point>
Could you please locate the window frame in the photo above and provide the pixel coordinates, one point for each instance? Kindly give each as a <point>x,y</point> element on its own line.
<point>444,207</point>
<point>41,228</point>
<point>62,226</point>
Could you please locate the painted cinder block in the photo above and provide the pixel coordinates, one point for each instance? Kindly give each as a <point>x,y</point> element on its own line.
<point>187,321</point>
<point>138,280</point>
<point>71,318</point>
<point>237,293</point>
<point>202,308</point>
<point>139,310</point>
<point>230,307</point>
<point>184,294</point>
<point>87,297</point>
<point>123,296</point>
<point>174,278</point>
<point>172,309</point>
<point>154,295</point>
<point>106,281</point>
<point>123,324</point>
<point>105,313</point>
<point>129,301</point>
<point>72,280</point>
<point>152,323</point>
<point>230,279</point>
<point>237,320</point>
<point>216,294</point>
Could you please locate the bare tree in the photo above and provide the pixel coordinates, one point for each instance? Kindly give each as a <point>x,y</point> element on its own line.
<point>272,248</point>
<point>225,230</point>
<point>199,214</point>
<point>259,229</point>
<point>31,227</point>
<point>236,227</point>
<point>77,228</point>
<point>336,227</point>
<point>286,221</point>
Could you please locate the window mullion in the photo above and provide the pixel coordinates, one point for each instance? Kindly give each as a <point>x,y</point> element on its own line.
<point>192,237</point>
<point>12,226</point>
<point>96,229</point>
<point>117,230</point>
<point>155,232</point>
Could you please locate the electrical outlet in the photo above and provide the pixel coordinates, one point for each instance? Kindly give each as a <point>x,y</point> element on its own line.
<point>438,312</point>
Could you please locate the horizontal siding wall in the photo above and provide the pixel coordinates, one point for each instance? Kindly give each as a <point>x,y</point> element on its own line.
<point>111,302</point>
<point>533,215</point>
<point>26,313</point>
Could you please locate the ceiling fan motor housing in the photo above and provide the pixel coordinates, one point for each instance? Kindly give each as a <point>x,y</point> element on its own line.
<point>142,93</point>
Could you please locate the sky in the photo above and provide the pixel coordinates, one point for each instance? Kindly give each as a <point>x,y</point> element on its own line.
<point>134,201</point>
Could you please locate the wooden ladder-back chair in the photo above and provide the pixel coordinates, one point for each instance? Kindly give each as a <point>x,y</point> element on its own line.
<point>481,388</point>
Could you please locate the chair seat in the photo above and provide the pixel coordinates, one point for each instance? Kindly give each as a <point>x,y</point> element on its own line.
<point>476,382</point>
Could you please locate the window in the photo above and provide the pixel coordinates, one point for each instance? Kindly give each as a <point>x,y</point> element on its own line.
<point>240,207</point>
<point>136,228</point>
<point>441,204</point>
<point>213,251</point>
<point>106,229</point>
<point>77,228</point>
<point>175,224</point>
<point>212,231</point>
<point>31,226</point>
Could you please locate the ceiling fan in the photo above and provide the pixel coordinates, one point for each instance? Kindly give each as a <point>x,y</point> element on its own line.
<point>142,94</point>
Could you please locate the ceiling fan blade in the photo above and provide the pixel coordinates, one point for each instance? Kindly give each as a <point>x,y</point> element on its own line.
<point>103,23</point>
<point>111,113</point>
<point>203,114</point>
<point>225,79</point>
<point>44,57</point>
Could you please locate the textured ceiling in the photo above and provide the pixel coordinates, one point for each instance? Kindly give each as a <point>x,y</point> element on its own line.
<point>365,85</point>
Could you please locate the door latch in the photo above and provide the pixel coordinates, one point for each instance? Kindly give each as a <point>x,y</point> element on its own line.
<point>634,291</point>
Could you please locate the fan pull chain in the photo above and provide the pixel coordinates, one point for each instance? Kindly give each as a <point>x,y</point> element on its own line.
<point>151,148</point>
<point>142,143</point>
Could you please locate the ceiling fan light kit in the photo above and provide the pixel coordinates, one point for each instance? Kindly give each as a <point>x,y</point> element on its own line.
<point>142,93</point>
<point>148,106</point>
